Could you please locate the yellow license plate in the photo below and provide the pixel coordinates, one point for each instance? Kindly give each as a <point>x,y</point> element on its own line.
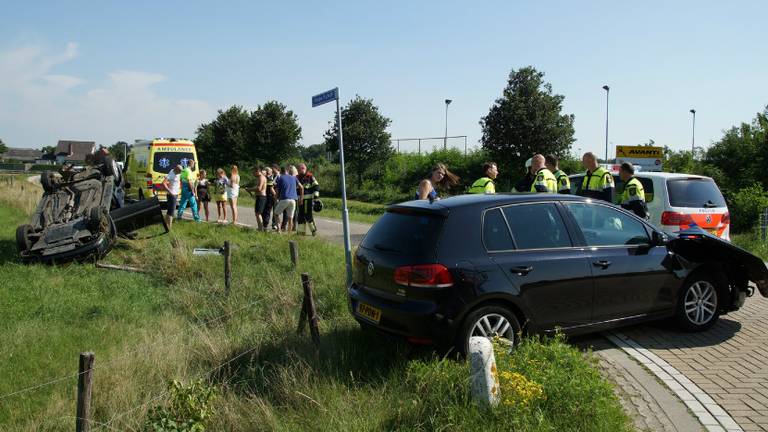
<point>369,312</point>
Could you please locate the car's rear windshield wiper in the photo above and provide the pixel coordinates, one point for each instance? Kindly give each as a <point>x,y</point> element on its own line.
<point>382,248</point>
<point>709,204</point>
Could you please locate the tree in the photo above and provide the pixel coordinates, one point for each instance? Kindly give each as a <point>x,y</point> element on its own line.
<point>525,120</point>
<point>273,133</point>
<point>48,150</point>
<point>223,141</point>
<point>270,133</point>
<point>3,147</point>
<point>741,154</point>
<point>314,152</point>
<point>117,150</point>
<point>366,140</point>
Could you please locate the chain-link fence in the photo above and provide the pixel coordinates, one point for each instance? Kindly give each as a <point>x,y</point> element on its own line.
<point>764,224</point>
<point>430,144</point>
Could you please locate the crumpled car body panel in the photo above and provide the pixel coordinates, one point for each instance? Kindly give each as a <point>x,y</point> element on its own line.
<point>696,245</point>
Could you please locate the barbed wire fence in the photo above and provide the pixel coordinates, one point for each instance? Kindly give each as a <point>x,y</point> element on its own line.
<point>116,363</point>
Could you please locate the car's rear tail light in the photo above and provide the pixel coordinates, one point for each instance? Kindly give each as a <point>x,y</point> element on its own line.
<point>424,276</point>
<point>726,219</point>
<point>674,218</point>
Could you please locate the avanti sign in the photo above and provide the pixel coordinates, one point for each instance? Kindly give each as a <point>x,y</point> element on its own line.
<point>648,158</point>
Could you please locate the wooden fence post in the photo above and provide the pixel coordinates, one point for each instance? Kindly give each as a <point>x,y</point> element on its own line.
<point>294,249</point>
<point>227,252</point>
<point>84,392</point>
<point>308,311</point>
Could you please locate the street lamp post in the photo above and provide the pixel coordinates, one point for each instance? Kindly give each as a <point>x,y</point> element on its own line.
<point>445,139</point>
<point>607,92</point>
<point>693,133</point>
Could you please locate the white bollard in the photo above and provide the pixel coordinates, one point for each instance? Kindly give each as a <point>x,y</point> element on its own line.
<point>485,379</point>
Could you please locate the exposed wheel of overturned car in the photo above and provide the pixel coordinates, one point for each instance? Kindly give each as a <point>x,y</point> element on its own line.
<point>23,242</point>
<point>489,321</point>
<point>49,181</point>
<point>699,303</point>
<point>100,222</point>
<point>110,168</point>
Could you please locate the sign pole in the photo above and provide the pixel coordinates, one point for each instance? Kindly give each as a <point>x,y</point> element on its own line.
<point>318,100</point>
<point>344,209</point>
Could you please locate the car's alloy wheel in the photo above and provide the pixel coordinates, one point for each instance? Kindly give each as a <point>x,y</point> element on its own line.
<point>698,304</point>
<point>489,321</point>
<point>492,325</point>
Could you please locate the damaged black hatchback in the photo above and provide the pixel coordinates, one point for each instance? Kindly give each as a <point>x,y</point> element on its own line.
<point>80,214</point>
<point>496,265</point>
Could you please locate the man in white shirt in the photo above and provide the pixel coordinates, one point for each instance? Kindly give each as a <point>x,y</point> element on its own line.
<point>172,185</point>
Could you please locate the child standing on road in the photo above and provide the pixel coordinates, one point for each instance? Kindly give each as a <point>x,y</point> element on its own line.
<point>221,185</point>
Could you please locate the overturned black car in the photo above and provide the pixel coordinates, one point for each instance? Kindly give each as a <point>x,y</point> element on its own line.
<point>81,213</point>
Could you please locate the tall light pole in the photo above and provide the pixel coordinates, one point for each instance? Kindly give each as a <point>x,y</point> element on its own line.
<point>693,133</point>
<point>445,139</point>
<point>607,92</point>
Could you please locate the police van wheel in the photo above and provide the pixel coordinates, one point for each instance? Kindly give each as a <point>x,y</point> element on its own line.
<point>699,303</point>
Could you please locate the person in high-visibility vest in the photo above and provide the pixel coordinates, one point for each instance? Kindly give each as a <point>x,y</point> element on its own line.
<point>633,196</point>
<point>544,181</point>
<point>485,185</point>
<point>597,182</point>
<point>563,183</point>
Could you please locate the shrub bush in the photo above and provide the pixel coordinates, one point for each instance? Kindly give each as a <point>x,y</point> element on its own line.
<point>745,207</point>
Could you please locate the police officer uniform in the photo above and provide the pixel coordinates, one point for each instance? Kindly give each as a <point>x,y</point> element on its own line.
<point>544,182</point>
<point>483,185</point>
<point>598,184</point>
<point>633,198</point>
<point>563,183</point>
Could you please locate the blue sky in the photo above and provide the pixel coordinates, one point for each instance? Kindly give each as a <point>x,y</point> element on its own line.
<point>113,71</point>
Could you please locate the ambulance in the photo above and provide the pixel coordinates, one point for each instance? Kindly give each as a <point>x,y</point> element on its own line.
<point>149,161</point>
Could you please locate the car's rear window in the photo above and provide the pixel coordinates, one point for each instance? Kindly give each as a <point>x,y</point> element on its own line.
<point>165,161</point>
<point>408,234</point>
<point>694,192</point>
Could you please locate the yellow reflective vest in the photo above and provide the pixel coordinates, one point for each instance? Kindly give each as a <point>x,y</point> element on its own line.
<point>545,182</point>
<point>483,185</point>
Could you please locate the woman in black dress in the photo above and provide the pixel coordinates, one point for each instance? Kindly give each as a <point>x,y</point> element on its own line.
<point>202,193</point>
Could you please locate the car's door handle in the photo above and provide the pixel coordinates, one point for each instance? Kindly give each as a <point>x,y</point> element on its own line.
<point>602,264</point>
<point>522,270</point>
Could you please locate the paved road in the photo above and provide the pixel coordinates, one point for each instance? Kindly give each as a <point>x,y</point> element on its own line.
<point>330,229</point>
<point>729,362</point>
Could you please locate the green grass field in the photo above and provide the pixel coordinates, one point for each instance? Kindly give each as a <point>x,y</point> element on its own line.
<point>175,322</point>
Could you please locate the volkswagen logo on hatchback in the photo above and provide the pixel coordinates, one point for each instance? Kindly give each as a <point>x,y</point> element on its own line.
<point>709,218</point>
<point>370,268</point>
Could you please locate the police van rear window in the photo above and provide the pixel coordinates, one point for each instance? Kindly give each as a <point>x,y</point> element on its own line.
<point>407,234</point>
<point>695,193</point>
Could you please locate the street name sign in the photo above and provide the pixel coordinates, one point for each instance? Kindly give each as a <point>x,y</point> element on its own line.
<point>325,97</point>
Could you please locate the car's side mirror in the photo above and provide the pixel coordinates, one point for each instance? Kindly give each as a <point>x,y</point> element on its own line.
<point>658,238</point>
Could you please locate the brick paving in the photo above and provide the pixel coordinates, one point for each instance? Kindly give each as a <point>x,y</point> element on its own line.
<point>729,361</point>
